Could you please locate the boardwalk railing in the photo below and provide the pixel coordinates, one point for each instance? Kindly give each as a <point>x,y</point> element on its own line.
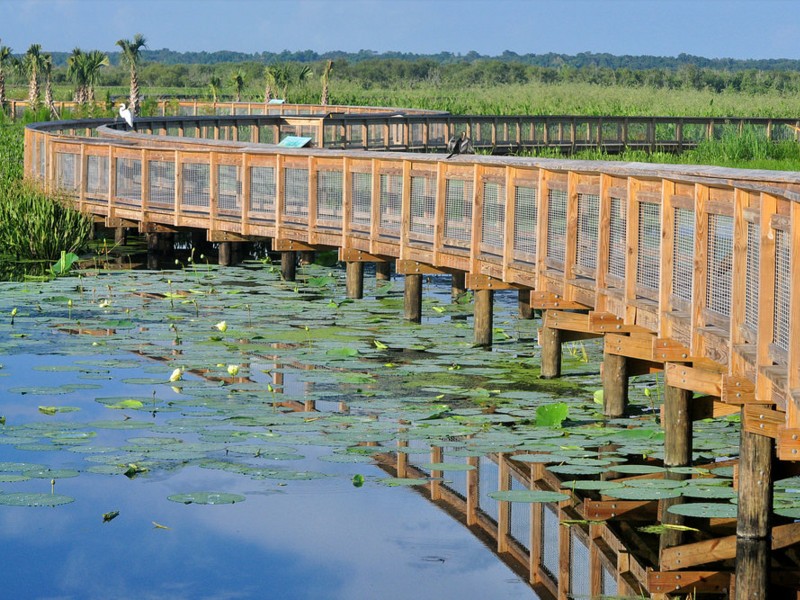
<point>691,270</point>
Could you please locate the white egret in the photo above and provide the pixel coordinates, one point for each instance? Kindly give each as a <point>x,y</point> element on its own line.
<point>125,113</point>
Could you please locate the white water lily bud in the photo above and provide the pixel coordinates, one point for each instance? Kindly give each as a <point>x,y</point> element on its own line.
<point>177,375</point>
<point>222,326</point>
<point>233,370</point>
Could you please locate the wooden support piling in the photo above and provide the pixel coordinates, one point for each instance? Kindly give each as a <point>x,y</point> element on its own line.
<point>524,304</point>
<point>677,427</point>
<point>354,280</point>
<point>120,236</point>
<point>483,310</point>
<point>615,385</point>
<point>306,257</point>
<point>412,297</point>
<point>225,252</point>
<point>458,286</point>
<point>752,569</point>
<point>289,265</point>
<point>550,340</point>
<point>152,251</point>
<point>383,271</point>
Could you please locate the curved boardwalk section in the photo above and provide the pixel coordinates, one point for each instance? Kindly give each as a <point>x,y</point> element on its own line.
<point>693,271</point>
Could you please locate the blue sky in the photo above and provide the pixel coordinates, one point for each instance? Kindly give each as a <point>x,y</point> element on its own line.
<point>709,28</point>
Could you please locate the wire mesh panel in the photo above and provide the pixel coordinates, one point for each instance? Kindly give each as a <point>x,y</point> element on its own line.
<point>683,254</point>
<point>720,264</point>
<point>129,179</point>
<point>588,217</point>
<point>493,223</point>
<point>520,518</point>
<point>649,246</point>
<point>549,541</point>
<point>556,226</point>
<point>423,206</point>
<point>361,192</point>
<point>375,133</point>
<point>618,224</point>
<point>196,190</point>
<point>67,171</point>
<point>751,280</point>
<point>487,476</point>
<point>579,580</point>
<point>609,582</point>
<point>295,192</point>
<point>458,211</point>
<point>161,188</point>
<point>262,191</point>
<point>266,134</point>
<point>229,189</point>
<point>391,202</point>
<point>780,331</point>
<point>97,175</point>
<point>329,196</point>
<point>525,221</point>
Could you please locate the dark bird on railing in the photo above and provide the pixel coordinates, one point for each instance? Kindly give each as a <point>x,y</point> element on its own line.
<point>125,113</point>
<point>459,145</point>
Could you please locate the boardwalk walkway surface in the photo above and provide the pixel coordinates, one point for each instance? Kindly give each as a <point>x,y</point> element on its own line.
<point>693,271</point>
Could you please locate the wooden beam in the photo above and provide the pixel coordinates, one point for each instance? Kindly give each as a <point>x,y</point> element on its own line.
<point>620,510</point>
<point>762,421</point>
<point>708,551</point>
<point>413,267</point>
<point>788,443</point>
<point>354,255</point>
<point>567,320</point>
<point>215,235</point>
<point>603,322</point>
<point>692,379</point>
<point>737,390</point>
<point>151,227</point>
<point>120,222</point>
<point>546,300</point>
<point>284,245</point>
<point>632,346</point>
<point>484,282</point>
<point>676,582</point>
<point>669,350</point>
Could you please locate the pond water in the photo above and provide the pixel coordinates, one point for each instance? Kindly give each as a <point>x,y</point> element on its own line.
<point>211,433</point>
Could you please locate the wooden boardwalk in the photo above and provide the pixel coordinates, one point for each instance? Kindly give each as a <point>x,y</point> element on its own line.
<point>693,271</point>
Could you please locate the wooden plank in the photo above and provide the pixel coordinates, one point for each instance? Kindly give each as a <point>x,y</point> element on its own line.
<point>632,346</point>
<point>766,294</point>
<point>676,582</point>
<point>762,421</point>
<point>669,350</point>
<point>693,379</point>
<point>621,510</point>
<point>709,407</point>
<point>546,300</point>
<point>707,551</point>
<point>788,445</point>
<point>701,196</point>
<point>217,235</point>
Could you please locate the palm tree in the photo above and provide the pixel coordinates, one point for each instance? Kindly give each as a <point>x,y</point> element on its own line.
<point>32,64</point>
<point>47,71</point>
<point>76,64</point>
<point>214,84</point>
<point>237,80</point>
<point>131,54</point>
<point>325,75</point>
<point>6,60</point>
<point>94,61</point>
<point>281,76</point>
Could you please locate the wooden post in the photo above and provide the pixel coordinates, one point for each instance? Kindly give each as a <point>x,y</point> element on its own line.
<point>615,385</point>
<point>152,251</point>
<point>289,265</point>
<point>383,271</point>
<point>755,485</point>
<point>550,340</point>
<point>355,279</point>
<point>677,427</point>
<point>306,257</point>
<point>120,236</point>
<point>524,303</point>
<point>752,568</point>
<point>458,284</point>
<point>412,297</point>
<point>224,254</point>
<point>483,310</point>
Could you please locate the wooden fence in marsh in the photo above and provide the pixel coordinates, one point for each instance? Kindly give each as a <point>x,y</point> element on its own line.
<point>693,271</point>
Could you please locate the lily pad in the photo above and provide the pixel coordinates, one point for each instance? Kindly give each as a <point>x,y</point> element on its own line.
<point>38,500</point>
<point>528,496</point>
<point>709,510</point>
<point>206,498</point>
